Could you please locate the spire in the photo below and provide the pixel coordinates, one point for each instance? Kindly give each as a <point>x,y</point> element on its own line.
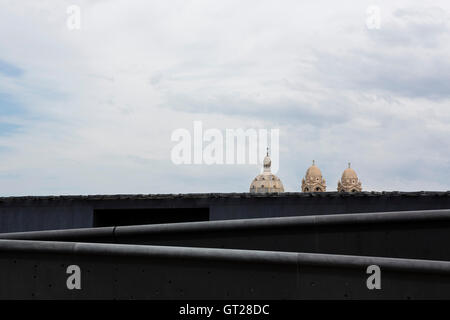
<point>349,164</point>
<point>314,163</point>
<point>267,151</point>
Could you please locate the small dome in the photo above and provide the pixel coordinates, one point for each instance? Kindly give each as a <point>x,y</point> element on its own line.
<point>313,171</point>
<point>266,182</point>
<point>349,173</point>
<point>349,181</point>
<point>313,181</point>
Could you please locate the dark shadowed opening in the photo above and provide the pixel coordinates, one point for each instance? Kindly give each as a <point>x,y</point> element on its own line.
<point>128,217</point>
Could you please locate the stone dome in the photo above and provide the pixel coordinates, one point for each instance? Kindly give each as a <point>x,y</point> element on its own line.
<point>313,171</point>
<point>349,173</point>
<point>266,182</point>
<point>349,181</point>
<point>313,181</point>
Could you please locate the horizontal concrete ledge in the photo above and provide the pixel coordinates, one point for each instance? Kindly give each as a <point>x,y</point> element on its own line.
<point>113,233</point>
<point>230,255</point>
<point>227,195</point>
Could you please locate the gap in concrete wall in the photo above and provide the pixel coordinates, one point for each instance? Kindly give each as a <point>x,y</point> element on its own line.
<point>128,217</point>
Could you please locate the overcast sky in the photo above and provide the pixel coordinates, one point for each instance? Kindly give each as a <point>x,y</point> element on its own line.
<point>91,111</point>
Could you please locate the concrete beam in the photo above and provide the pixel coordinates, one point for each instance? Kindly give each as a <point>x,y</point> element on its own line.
<point>406,234</point>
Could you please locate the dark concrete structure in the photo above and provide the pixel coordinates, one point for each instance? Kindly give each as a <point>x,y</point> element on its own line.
<point>227,246</point>
<point>66,212</point>
<point>407,234</point>
<point>37,270</point>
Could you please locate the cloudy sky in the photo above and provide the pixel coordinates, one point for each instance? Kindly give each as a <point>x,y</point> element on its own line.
<point>92,110</point>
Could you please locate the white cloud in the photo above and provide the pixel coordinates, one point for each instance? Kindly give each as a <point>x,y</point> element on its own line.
<point>100,103</point>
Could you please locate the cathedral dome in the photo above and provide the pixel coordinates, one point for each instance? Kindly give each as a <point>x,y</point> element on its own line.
<point>349,181</point>
<point>266,182</point>
<point>349,173</point>
<point>313,181</point>
<point>313,171</point>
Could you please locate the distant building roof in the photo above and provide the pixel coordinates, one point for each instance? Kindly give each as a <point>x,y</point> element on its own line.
<point>225,195</point>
